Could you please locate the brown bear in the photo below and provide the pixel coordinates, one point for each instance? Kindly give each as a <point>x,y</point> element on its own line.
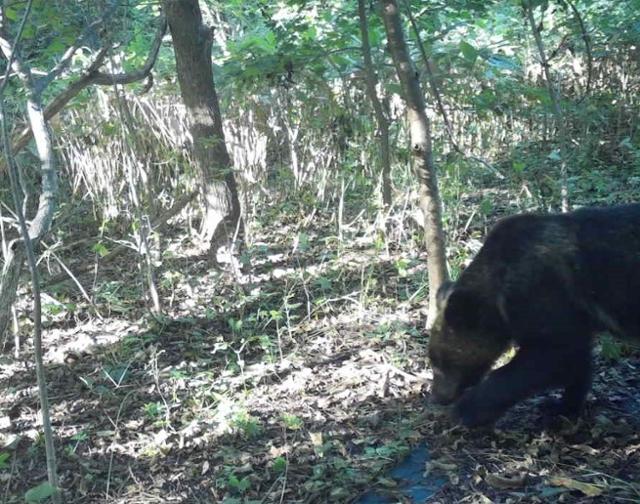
<point>545,284</point>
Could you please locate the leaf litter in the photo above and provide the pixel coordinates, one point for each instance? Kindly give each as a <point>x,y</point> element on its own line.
<point>307,381</point>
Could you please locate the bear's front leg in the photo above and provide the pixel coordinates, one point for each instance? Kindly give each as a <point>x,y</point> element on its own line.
<point>530,371</point>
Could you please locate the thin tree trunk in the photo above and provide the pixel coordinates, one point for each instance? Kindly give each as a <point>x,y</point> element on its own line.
<point>381,118</point>
<point>420,129</point>
<point>39,226</point>
<point>554,94</point>
<point>192,42</point>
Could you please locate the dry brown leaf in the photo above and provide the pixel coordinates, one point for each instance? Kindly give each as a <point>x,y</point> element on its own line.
<point>585,449</point>
<point>505,482</point>
<point>589,489</point>
<point>631,449</point>
<point>438,465</point>
<point>316,438</point>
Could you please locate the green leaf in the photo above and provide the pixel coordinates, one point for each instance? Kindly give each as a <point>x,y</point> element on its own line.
<point>486,207</point>
<point>324,283</point>
<point>100,249</point>
<point>518,166</point>
<point>39,493</point>
<point>235,325</point>
<point>469,52</point>
<point>4,457</point>
<point>303,242</point>
<point>502,62</point>
<point>242,485</point>
<point>11,14</point>
<point>279,464</point>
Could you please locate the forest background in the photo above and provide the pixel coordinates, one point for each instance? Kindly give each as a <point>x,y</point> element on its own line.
<point>240,212</point>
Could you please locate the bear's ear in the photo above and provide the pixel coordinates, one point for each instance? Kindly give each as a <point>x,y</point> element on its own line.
<point>442,296</point>
<point>463,309</point>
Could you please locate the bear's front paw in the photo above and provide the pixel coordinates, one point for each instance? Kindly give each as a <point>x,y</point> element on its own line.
<point>553,407</point>
<point>472,411</point>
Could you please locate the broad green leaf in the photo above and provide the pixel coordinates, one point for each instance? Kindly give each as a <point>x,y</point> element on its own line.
<point>469,52</point>
<point>11,14</point>
<point>518,166</point>
<point>100,249</point>
<point>39,493</point>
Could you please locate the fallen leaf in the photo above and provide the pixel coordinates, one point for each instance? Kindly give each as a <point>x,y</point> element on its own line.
<point>316,438</point>
<point>505,482</point>
<point>589,489</point>
<point>387,482</point>
<point>442,466</point>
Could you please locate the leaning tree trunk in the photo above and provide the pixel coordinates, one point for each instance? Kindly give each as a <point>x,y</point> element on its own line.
<point>192,42</point>
<point>420,128</point>
<point>41,222</point>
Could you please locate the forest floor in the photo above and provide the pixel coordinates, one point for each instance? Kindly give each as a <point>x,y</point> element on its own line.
<point>301,377</point>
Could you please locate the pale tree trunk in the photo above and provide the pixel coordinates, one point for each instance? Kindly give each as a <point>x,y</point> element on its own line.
<point>192,42</point>
<point>41,222</point>
<point>420,130</point>
<point>38,227</point>
<point>381,118</point>
<point>554,95</point>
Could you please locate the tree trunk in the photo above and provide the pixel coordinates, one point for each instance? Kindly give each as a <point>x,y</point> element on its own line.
<point>381,118</point>
<point>9,281</point>
<point>554,95</point>
<point>420,128</point>
<point>192,42</point>
<point>41,222</point>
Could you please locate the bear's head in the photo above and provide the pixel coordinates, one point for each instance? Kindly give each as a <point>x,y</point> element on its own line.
<point>466,339</point>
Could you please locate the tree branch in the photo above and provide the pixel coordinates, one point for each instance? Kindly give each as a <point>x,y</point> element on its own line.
<point>92,75</point>
<point>68,54</point>
<point>587,46</point>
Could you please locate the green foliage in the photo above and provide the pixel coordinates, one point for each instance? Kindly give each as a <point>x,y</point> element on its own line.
<point>241,485</point>
<point>304,141</point>
<point>247,425</point>
<point>79,437</point>
<point>613,349</point>
<point>39,493</point>
<point>154,410</point>
<point>4,460</point>
<point>292,422</point>
<point>117,296</point>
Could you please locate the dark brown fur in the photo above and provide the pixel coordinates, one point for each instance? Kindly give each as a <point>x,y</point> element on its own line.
<point>546,284</point>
